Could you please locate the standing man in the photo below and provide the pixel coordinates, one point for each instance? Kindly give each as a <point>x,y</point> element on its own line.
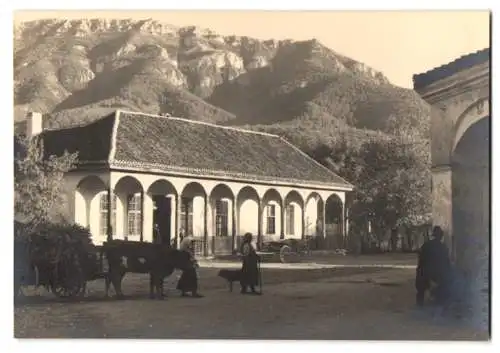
<point>434,266</point>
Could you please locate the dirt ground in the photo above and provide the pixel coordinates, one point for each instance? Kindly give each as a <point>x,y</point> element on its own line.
<point>333,303</point>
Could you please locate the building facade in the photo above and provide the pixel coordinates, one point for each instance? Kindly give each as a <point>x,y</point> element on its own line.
<point>459,94</point>
<point>152,178</point>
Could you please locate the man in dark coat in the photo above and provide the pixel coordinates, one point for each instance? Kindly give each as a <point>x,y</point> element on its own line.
<point>249,270</point>
<point>434,267</point>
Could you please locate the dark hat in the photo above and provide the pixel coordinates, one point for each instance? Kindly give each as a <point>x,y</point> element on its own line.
<point>437,232</point>
<point>247,236</point>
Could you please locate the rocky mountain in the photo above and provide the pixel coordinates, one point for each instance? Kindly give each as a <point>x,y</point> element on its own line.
<point>78,70</point>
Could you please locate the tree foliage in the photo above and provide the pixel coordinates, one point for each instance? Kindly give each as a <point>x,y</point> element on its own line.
<point>38,182</point>
<point>391,175</point>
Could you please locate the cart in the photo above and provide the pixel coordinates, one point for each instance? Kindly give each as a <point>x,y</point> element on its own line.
<point>288,250</point>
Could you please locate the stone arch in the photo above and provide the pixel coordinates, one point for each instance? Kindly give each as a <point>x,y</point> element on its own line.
<point>294,196</point>
<point>129,200</point>
<point>474,113</point>
<point>220,213</point>
<point>222,190</point>
<point>470,184</point>
<point>194,215</point>
<point>193,188</point>
<point>272,222</point>
<point>314,214</point>
<point>128,184</point>
<point>294,215</point>
<point>247,206</point>
<point>85,192</point>
<point>334,209</point>
<point>161,201</point>
<point>162,187</point>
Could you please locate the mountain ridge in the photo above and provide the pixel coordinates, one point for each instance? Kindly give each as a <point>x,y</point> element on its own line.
<point>73,70</point>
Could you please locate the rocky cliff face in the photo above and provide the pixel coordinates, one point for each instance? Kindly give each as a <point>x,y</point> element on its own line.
<point>64,66</point>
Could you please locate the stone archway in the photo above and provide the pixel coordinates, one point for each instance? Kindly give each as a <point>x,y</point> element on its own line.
<point>459,93</point>
<point>160,218</point>
<point>222,216</point>
<point>272,215</point>
<point>194,216</point>
<point>129,209</point>
<point>471,197</point>
<point>314,206</point>
<point>294,222</point>
<point>476,112</point>
<point>91,205</point>
<point>248,215</point>
<point>334,229</point>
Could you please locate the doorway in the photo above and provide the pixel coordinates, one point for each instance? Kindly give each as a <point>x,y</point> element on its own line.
<point>162,216</point>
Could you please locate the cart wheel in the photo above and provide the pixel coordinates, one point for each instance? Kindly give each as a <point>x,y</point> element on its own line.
<point>71,283</point>
<point>69,290</point>
<point>285,254</point>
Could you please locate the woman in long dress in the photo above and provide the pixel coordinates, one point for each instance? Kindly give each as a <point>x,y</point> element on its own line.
<point>189,279</point>
<point>249,269</point>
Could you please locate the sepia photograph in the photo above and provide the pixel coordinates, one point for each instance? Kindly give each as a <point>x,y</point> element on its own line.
<point>251,175</point>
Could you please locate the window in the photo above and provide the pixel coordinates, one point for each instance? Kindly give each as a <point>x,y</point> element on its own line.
<point>187,216</point>
<point>221,218</point>
<point>290,220</point>
<point>271,219</point>
<point>134,224</point>
<point>103,214</point>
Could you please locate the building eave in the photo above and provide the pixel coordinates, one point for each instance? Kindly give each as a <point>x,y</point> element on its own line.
<point>475,77</point>
<point>425,79</point>
<point>223,176</point>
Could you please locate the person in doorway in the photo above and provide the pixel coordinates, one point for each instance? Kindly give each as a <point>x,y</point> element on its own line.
<point>189,278</point>
<point>434,267</point>
<point>156,234</point>
<point>249,270</point>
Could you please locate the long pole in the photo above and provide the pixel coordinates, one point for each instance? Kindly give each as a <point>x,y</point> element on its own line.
<point>260,277</point>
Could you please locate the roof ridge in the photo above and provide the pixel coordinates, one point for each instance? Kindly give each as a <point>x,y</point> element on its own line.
<point>82,124</point>
<point>315,161</point>
<point>201,123</point>
<point>114,132</point>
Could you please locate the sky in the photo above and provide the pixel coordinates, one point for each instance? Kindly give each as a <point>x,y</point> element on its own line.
<point>400,44</point>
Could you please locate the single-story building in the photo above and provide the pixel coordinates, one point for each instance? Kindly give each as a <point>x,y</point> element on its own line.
<point>170,177</point>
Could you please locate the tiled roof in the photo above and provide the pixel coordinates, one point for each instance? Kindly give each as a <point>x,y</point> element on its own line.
<point>462,63</point>
<point>181,145</point>
<point>91,141</point>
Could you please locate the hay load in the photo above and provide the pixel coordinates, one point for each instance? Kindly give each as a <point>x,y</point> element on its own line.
<point>59,256</point>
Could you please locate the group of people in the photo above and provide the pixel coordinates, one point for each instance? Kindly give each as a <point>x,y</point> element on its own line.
<point>188,282</point>
<point>434,270</point>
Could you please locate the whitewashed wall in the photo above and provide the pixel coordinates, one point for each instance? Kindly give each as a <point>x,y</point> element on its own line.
<point>248,221</point>
<point>84,205</point>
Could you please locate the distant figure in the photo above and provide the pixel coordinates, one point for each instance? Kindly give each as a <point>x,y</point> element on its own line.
<point>434,267</point>
<point>394,239</point>
<point>189,278</point>
<point>249,270</point>
<point>156,234</point>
